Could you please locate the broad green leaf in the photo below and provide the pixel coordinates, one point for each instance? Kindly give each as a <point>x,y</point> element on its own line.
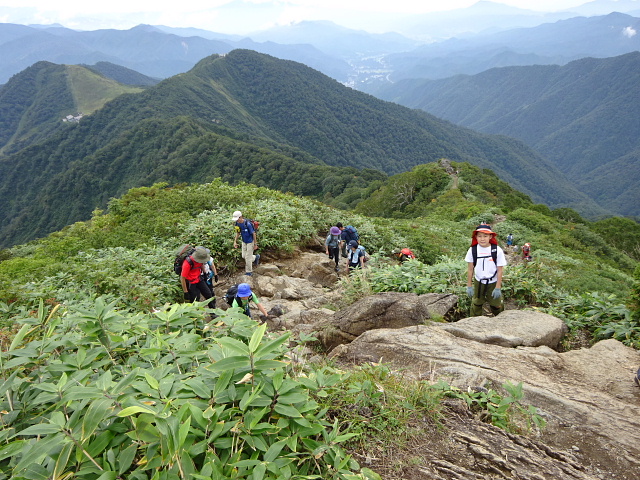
<point>36,451</point>
<point>80,392</point>
<point>40,429</point>
<point>97,412</point>
<point>11,449</point>
<point>36,472</point>
<point>256,338</point>
<point>293,397</point>
<point>17,361</point>
<point>271,345</point>
<point>63,460</point>
<point>259,470</point>
<point>230,363</point>
<point>287,410</point>
<point>183,432</point>
<point>47,387</point>
<point>274,450</point>
<point>199,388</point>
<point>153,383</point>
<point>125,459</point>
<point>268,364</point>
<point>165,385</point>
<point>126,412</point>
<point>17,340</point>
<point>105,380</point>
<point>236,346</point>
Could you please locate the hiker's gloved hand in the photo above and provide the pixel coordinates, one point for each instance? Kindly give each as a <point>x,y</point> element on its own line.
<point>215,277</point>
<point>187,296</point>
<point>496,293</point>
<point>470,292</point>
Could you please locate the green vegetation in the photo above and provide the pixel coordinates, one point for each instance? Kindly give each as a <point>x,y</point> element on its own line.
<point>105,376</point>
<point>241,117</point>
<point>91,91</point>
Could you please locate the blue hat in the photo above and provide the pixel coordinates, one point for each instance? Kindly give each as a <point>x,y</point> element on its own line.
<point>353,244</point>
<point>244,290</point>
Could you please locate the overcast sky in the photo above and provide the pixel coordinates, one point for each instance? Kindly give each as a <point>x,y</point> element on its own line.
<point>237,16</point>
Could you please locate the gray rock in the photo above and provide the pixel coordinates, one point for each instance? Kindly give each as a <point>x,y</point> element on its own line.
<point>511,328</point>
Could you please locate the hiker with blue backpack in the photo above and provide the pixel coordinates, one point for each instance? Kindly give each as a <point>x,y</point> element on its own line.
<point>245,229</point>
<point>348,234</point>
<point>485,261</point>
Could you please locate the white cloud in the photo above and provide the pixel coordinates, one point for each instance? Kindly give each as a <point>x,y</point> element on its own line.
<point>629,32</point>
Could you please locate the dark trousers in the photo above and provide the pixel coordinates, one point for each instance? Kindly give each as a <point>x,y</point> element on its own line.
<point>334,254</point>
<point>201,288</point>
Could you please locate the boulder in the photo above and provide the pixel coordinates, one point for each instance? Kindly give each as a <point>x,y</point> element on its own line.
<point>511,328</point>
<point>382,310</point>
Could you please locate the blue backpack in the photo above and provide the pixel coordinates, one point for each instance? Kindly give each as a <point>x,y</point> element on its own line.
<point>352,233</point>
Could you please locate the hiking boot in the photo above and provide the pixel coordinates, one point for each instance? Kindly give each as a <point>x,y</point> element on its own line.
<point>256,262</point>
<point>337,269</point>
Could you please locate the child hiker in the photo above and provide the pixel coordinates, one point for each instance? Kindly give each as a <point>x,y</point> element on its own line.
<point>484,275</point>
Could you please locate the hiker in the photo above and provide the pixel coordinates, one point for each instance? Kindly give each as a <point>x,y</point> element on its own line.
<point>245,230</point>
<point>244,297</point>
<point>355,257</point>
<point>210,272</point>
<point>526,252</point>
<point>348,234</point>
<point>192,279</point>
<point>332,245</point>
<point>484,274</point>
<point>404,254</point>
<point>509,239</point>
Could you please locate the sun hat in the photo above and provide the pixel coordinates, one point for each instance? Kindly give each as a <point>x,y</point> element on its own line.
<point>353,244</point>
<point>244,290</point>
<point>236,215</point>
<point>483,228</point>
<point>335,231</point>
<point>201,255</point>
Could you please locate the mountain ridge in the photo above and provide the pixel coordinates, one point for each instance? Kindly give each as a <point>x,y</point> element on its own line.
<point>211,115</point>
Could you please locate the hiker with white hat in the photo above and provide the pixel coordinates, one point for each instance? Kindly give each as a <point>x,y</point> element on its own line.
<point>245,229</point>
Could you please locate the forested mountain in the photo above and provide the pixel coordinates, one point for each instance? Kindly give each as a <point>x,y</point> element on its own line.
<point>36,103</point>
<point>579,116</point>
<point>247,116</point>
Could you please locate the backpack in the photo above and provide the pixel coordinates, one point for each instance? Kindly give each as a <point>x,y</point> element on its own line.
<point>254,223</point>
<point>333,240</point>
<point>352,233</point>
<point>183,253</point>
<point>365,256</point>
<point>494,253</point>
<point>232,291</point>
<point>231,295</point>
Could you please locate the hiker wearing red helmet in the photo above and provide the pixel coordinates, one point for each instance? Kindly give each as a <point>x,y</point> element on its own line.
<point>484,274</point>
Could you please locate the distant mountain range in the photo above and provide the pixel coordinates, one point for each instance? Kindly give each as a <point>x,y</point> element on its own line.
<point>491,35</point>
<point>243,117</point>
<point>580,116</point>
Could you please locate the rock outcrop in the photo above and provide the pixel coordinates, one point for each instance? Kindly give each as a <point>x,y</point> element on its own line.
<point>587,396</point>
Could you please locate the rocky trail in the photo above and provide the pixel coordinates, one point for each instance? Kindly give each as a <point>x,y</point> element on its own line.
<point>587,396</point>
